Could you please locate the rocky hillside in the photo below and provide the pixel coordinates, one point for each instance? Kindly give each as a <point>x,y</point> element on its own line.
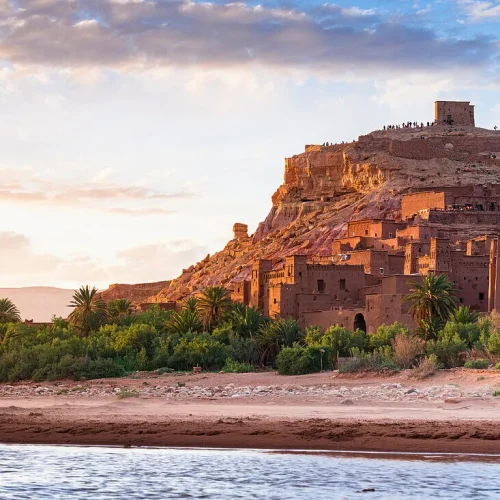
<point>325,187</point>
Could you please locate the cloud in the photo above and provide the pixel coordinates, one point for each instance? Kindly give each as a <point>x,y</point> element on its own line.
<point>21,265</point>
<point>480,11</point>
<point>32,189</point>
<point>18,256</point>
<point>129,34</point>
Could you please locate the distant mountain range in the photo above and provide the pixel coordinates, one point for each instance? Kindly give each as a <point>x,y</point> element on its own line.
<point>39,303</point>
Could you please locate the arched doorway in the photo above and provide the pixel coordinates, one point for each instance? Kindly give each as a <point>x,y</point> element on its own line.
<point>359,322</point>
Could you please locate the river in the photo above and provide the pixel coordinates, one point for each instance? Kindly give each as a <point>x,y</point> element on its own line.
<point>93,473</point>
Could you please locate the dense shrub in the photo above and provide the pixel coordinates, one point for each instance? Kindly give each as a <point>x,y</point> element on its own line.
<point>202,351</point>
<point>493,344</point>
<point>237,367</point>
<point>299,360</point>
<point>425,367</point>
<point>449,350</point>
<point>469,333</point>
<point>477,364</point>
<point>407,348</point>
<point>337,339</point>
<point>385,334</point>
<point>360,361</point>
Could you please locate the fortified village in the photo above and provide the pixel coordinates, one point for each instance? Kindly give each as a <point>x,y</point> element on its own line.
<point>353,223</point>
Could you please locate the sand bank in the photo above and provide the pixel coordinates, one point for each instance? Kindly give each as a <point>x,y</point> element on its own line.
<point>323,413</point>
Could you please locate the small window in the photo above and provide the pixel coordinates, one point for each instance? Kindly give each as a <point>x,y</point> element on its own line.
<point>314,298</point>
<point>366,232</point>
<point>461,301</point>
<point>376,235</point>
<point>275,301</point>
<point>390,235</point>
<point>342,284</point>
<point>476,278</point>
<point>481,296</point>
<point>465,278</point>
<point>411,237</point>
<point>381,270</point>
<point>321,286</point>
<point>300,274</point>
<point>238,289</point>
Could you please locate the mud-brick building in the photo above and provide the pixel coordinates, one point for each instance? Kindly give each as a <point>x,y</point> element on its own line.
<point>454,113</point>
<point>299,286</point>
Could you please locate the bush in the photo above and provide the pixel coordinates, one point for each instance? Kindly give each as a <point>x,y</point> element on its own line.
<point>385,334</point>
<point>469,333</point>
<point>406,349</point>
<point>202,351</point>
<point>299,360</point>
<point>232,366</point>
<point>449,350</point>
<point>426,367</point>
<point>101,368</point>
<point>477,364</point>
<point>497,366</point>
<point>493,344</point>
<point>379,360</point>
<point>340,341</point>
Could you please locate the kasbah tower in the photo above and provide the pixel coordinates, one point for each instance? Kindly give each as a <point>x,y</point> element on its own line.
<point>352,223</point>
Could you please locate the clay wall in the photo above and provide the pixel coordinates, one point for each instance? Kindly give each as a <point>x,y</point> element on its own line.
<point>373,261</point>
<point>468,218</point>
<point>258,290</point>
<point>417,233</point>
<point>374,228</point>
<point>242,292</point>
<point>414,250</point>
<point>454,113</point>
<point>396,263</point>
<point>411,204</point>
<point>380,310</point>
<point>386,309</point>
<point>470,273</point>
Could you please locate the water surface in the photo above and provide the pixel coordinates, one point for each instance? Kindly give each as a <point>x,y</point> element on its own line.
<point>93,473</point>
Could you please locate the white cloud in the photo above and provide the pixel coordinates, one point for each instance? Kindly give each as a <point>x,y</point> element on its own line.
<point>21,265</point>
<point>480,10</point>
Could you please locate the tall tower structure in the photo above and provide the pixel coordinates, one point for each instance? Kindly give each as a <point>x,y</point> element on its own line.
<point>454,113</point>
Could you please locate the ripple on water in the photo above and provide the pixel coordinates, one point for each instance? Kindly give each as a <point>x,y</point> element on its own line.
<point>51,472</point>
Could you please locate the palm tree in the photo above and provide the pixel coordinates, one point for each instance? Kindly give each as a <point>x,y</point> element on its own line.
<point>186,321</point>
<point>463,315</point>
<point>120,307</point>
<point>432,301</point>
<point>273,335</point>
<point>213,304</point>
<point>190,303</point>
<point>246,321</point>
<point>89,311</point>
<point>9,313</point>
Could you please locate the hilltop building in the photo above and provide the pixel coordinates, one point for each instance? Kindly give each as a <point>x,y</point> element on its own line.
<point>454,113</point>
<point>362,283</point>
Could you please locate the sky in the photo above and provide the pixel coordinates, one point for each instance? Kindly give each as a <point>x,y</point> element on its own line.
<point>135,133</point>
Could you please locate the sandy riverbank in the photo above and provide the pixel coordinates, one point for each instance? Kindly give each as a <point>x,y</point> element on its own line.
<point>451,412</point>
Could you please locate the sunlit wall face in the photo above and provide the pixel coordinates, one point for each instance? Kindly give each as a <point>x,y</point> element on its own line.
<point>135,133</point>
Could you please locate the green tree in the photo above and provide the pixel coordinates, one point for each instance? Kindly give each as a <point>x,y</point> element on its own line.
<point>273,335</point>
<point>246,321</point>
<point>185,322</point>
<point>431,302</point>
<point>9,313</point>
<point>463,315</point>
<point>89,312</point>
<point>120,307</point>
<point>212,306</point>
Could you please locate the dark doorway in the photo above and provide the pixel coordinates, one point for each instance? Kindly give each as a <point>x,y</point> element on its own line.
<point>359,322</point>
